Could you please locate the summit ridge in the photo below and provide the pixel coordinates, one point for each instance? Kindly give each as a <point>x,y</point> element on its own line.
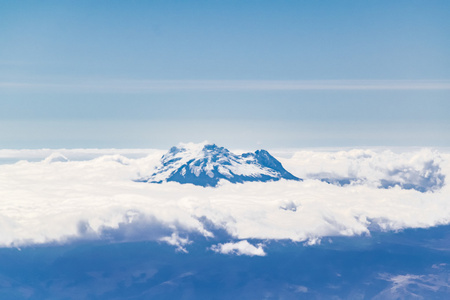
<point>206,164</point>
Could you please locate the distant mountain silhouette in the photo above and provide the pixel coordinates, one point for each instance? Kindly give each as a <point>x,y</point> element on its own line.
<point>207,164</point>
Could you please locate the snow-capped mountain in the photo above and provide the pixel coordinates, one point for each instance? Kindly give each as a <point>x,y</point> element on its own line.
<point>206,164</point>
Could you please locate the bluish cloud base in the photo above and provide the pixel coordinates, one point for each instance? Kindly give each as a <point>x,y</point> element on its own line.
<point>384,266</point>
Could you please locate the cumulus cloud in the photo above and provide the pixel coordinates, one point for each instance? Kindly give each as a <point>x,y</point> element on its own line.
<point>419,170</point>
<point>176,240</point>
<point>56,202</point>
<point>239,248</point>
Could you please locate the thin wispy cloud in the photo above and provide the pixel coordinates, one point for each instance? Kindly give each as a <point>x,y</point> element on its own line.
<point>144,86</point>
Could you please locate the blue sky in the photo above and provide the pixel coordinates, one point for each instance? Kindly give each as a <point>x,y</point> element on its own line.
<point>76,74</point>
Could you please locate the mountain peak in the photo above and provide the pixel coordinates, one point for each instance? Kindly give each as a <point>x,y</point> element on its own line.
<point>206,164</point>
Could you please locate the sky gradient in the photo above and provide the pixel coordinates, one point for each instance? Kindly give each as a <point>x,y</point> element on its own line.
<point>149,74</point>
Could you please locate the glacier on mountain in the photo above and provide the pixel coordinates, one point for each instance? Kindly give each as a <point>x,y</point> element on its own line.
<point>206,164</point>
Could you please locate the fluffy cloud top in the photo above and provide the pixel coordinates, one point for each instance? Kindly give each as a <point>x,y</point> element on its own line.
<point>55,200</point>
<point>176,240</point>
<point>239,248</point>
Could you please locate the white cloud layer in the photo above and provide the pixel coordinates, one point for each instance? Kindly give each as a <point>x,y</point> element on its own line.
<point>239,248</point>
<point>55,200</point>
